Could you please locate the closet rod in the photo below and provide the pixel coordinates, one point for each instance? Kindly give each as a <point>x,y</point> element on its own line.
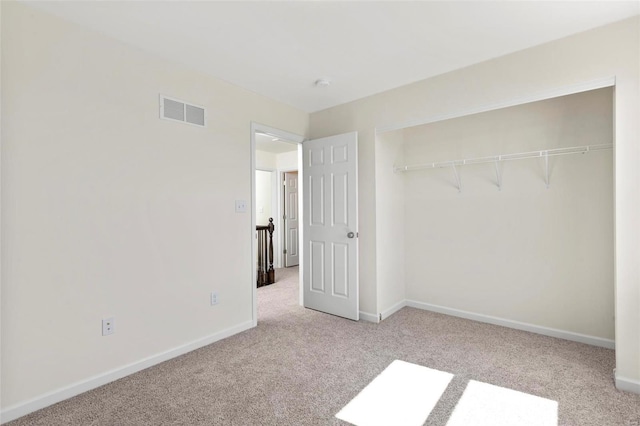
<point>506,157</point>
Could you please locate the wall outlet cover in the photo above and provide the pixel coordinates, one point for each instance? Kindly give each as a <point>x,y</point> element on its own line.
<point>241,206</point>
<point>108,326</point>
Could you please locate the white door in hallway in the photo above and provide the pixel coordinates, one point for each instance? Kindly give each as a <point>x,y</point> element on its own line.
<point>330,172</point>
<point>291,255</point>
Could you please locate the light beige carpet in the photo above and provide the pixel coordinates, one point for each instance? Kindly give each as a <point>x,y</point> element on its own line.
<point>301,367</point>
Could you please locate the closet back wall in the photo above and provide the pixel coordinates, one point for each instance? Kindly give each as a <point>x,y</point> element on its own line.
<point>524,253</point>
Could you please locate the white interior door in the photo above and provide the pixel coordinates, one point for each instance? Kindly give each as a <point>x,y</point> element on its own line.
<point>330,171</point>
<point>291,255</point>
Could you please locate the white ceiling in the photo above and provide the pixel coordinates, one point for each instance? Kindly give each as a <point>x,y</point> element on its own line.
<point>274,145</point>
<point>278,49</point>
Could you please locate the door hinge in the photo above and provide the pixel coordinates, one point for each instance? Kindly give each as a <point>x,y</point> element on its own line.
<point>284,217</point>
<point>284,251</point>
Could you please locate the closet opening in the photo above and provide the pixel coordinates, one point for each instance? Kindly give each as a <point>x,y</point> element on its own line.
<point>506,215</point>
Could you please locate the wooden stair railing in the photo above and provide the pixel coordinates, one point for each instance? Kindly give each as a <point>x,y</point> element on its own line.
<point>266,273</point>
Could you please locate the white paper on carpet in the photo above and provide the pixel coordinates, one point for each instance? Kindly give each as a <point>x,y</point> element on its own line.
<point>402,395</point>
<point>483,404</point>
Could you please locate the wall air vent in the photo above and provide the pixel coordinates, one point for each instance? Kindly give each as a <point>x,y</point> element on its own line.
<point>177,110</point>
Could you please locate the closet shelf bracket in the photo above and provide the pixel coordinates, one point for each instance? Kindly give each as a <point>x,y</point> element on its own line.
<point>457,175</point>
<point>546,167</point>
<point>498,174</point>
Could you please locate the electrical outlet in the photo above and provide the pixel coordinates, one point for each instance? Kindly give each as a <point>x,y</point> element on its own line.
<point>241,206</point>
<point>214,298</point>
<point>108,326</point>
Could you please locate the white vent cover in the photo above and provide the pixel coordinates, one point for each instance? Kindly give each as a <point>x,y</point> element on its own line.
<point>177,110</point>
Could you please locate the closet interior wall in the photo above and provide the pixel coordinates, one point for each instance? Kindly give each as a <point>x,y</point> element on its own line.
<point>390,226</point>
<point>522,252</point>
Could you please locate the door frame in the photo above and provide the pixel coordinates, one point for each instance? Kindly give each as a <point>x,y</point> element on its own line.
<point>291,137</point>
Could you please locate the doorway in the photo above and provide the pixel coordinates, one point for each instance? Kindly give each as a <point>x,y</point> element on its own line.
<point>330,265</point>
<point>275,153</point>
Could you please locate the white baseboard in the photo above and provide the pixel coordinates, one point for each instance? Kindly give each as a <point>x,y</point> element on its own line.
<point>562,334</point>
<point>627,384</point>
<point>15,411</point>
<point>366,316</point>
<point>392,310</point>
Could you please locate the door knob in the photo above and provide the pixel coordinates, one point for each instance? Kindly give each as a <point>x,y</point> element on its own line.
<point>351,235</point>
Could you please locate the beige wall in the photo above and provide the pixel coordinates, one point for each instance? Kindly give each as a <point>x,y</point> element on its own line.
<point>390,222</point>
<point>604,52</point>
<point>266,160</point>
<point>283,161</point>
<point>287,160</point>
<point>109,211</point>
<point>525,253</point>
